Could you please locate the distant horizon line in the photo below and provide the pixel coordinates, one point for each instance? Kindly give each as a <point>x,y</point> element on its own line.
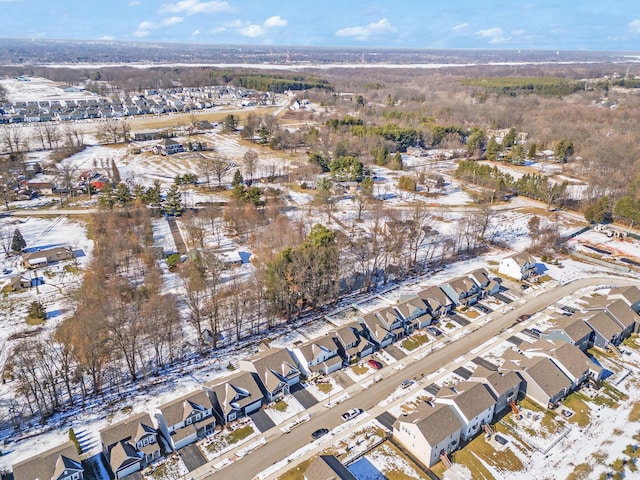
<point>331,47</point>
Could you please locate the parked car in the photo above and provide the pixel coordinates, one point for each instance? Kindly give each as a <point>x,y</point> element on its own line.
<point>406,383</point>
<point>350,414</point>
<point>536,331</point>
<point>501,440</point>
<point>319,433</point>
<point>376,365</point>
<point>523,317</point>
<point>434,331</point>
<point>524,286</point>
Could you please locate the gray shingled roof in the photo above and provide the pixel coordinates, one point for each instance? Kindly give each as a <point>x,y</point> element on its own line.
<point>548,376</point>
<point>410,306</point>
<point>179,409</point>
<point>604,324</point>
<point>435,423</point>
<point>327,467</point>
<point>233,389</point>
<point>127,428</point>
<point>471,398</point>
<point>574,327</point>
<point>46,464</point>
<point>434,296</point>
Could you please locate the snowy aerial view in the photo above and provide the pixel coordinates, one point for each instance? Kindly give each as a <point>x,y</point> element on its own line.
<point>363,260</point>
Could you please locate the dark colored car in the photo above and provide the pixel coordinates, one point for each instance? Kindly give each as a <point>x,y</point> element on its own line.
<point>523,317</point>
<point>536,331</point>
<point>434,331</point>
<point>374,364</point>
<point>319,433</point>
<point>524,286</point>
<point>501,440</point>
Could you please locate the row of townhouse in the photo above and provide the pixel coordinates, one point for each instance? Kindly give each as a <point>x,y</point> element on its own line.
<point>162,101</point>
<point>375,330</point>
<point>545,371</point>
<point>133,443</point>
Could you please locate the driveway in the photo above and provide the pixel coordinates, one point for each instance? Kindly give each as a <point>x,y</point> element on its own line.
<point>303,396</point>
<point>262,421</point>
<point>503,298</point>
<point>395,352</point>
<point>386,419</point>
<point>133,476</point>
<point>344,380</point>
<point>192,457</point>
<point>463,322</point>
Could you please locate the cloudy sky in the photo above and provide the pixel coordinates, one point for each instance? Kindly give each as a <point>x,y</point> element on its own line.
<point>532,24</point>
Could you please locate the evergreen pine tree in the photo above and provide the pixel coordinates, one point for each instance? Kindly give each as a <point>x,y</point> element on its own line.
<point>173,202</point>
<point>17,242</point>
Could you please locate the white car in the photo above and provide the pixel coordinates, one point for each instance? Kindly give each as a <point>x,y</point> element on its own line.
<point>349,414</point>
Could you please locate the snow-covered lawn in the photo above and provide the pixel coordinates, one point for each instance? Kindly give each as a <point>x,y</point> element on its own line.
<point>321,391</point>
<point>284,409</point>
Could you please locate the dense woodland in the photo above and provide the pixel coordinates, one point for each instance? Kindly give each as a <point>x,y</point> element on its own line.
<point>124,328</point>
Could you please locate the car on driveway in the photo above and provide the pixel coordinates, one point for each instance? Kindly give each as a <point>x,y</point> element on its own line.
<point>376,365</point>
<point>351,413</point>
<point>523,317</point>
<point>434,331</point>
<point>321,432</point>
<point>524,286</point>
<point>536,331</point>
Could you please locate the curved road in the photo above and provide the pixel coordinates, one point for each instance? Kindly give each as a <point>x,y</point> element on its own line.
<point>280,446</point>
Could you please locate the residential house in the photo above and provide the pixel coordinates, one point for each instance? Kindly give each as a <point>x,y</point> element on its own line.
<point>276,369</point>
<point>567,357</point>
<point>473,404</point>
<point>519,266</point>
<point>619,310</point>
<point>542,381</point>
<point>186,419</point>
<point>45,256</point>
<point>429,432</point>
<point>375,331</point>
<point>130,445</point>
<point>318,356</point>
<point>630,295</point>
<point>235,396</point>
<point>488,286</point>
<point>327,467</point>
<point>605,329</point>
<point>414,312</point>
<point>392,322</point>
<point>462,291</point>
<point>59,463</point>
<point>15,283</point>
<point>167,146</point>
<point>352,342</point>
<point>572,330</point>
<point>505,387</point>
<point>436,300</point>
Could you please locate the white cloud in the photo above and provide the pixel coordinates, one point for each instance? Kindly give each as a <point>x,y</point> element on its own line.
<point>364,33</point>
<point>217,30</point>
<point>495,35</point>
<point>275,21</point>
<point>252,31</point>
<point>170,21</point>
<point>192,7</point>
<point>134,3</point>
<point>106,37</point>
<point>195,33</point>
<point>145,26</point>
<point>9,1</point>
<point>462,26</point>
<point>519,31</point>
<point>634,26</point>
